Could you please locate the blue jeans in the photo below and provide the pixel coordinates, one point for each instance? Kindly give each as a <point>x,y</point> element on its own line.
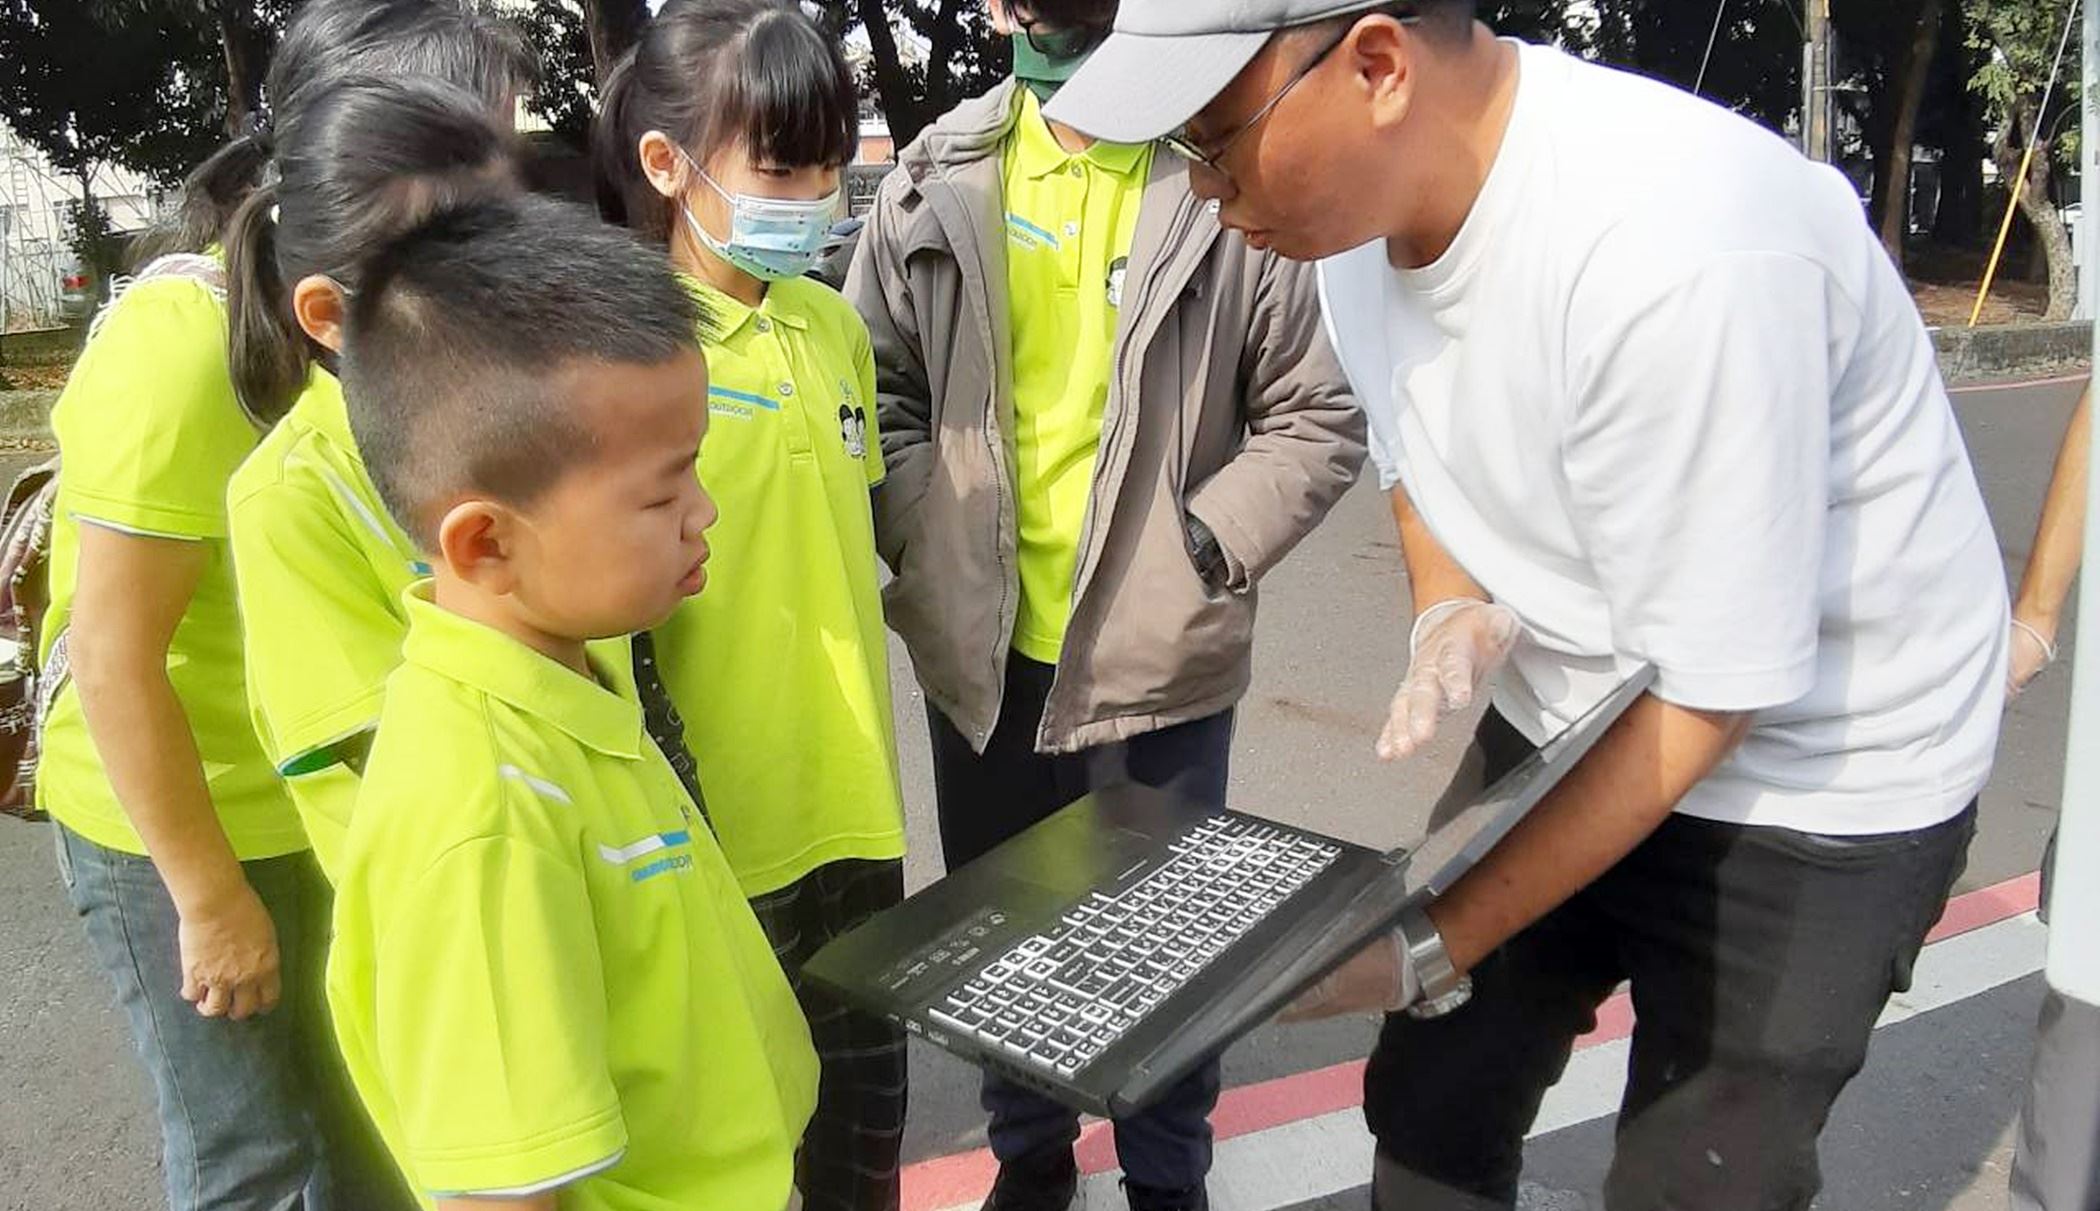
<point>254,1115</point>
<point>986,798</point>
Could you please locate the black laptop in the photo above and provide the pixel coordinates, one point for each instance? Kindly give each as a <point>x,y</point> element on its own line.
<point>1106,952</point>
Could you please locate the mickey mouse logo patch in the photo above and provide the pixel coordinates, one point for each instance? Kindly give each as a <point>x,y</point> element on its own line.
<point>853,429</point>
<point>1116,272</point>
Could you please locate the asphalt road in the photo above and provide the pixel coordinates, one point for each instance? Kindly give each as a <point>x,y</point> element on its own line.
<point>76,1133</point>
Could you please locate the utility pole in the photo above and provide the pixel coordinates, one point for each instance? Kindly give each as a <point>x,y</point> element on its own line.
<point>2074,962</point>
<point>1816,138</point>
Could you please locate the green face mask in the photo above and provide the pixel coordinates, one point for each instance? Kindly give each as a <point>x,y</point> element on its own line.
<point>1044,69</point>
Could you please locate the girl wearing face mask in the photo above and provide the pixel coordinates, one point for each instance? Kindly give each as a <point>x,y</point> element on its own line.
<point>723,135</point>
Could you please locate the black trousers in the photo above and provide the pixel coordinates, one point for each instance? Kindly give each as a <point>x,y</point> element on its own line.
<point>984,800</point>
<point>850,1151</point>
<point>1759,959</point>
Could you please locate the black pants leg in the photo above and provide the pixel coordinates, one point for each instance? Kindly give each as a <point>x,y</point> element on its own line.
<point>1759,959</point>
<point>986,799</point>
<point>849,1159</point>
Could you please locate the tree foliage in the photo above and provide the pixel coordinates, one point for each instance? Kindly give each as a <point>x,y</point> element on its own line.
<point>147,92</point>
<point>568,93</point>
<point>923,56</point>
<point>93,238</point>
<point>2019,40</point>
<point>246,31</point>
<point>153,85</point>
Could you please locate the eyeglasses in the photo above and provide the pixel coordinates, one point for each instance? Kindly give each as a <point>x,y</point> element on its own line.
<point>1181,145</point>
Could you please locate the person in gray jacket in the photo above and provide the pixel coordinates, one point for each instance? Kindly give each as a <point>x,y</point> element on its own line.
<point>1104,418</point>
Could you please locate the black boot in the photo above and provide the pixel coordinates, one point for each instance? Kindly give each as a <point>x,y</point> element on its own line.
<point>1036,1184</point>
<point>1154,1198</point>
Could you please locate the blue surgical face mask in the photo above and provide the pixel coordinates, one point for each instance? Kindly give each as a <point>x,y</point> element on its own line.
<point>771,239</point>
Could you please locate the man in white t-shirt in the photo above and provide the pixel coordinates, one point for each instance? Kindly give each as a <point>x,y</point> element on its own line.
<point>1645,389</point>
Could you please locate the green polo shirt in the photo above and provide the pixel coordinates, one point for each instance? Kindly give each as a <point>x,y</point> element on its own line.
<point>544,974</point>
<point>149,432</point>
<point>321,566</point>
<point>781,668</point>
<point>1070,221</point>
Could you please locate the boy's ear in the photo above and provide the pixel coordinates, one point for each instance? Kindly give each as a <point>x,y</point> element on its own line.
<point>318,303</point>
<point>477,544</point>
<point>662,164</point>
<point>1002,20</point>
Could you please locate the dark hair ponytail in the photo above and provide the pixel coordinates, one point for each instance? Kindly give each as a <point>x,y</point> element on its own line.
<point>362,160</point>
<point>266,351</point>
<point>613,166</point>
<point>328,40</point>
<point>714,73</point>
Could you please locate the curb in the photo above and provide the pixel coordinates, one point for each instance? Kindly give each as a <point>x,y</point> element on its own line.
<point>2006,351</point>
<point>25,419</point>
<point>1966,355</point>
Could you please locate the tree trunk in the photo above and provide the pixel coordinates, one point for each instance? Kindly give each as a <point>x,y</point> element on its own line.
<point>1960,220</point>
<point>247,54</point>
<point>940,59</point>
<point>1910,94</point>
<point>2038,207</point>
<point>892,83</point>
<point>613,25</point>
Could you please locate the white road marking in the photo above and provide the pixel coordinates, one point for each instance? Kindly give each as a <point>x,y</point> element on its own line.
<point>1330,1154</point>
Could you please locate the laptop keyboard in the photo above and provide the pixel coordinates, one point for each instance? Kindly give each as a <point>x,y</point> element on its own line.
<point>1062,997</point>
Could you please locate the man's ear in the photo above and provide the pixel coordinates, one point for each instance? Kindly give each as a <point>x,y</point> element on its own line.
<point>1382,57</point>
<point>318,304</point>
<point>477,542</point>
<point>662,163</point>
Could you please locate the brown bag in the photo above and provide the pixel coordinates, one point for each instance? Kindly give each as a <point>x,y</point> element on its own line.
<point>25,594</point>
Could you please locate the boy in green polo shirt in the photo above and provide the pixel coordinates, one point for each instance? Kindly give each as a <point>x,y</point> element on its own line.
<point>546,981</point>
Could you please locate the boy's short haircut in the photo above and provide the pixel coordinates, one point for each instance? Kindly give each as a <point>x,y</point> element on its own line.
<point>457,334</point>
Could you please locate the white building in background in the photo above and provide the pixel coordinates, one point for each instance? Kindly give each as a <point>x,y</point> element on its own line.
<point>35,258</point>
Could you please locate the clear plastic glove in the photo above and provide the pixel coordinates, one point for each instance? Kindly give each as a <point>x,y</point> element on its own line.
<point>1456,646</point>
<point>1380,979</point>
<point>2032,652</point>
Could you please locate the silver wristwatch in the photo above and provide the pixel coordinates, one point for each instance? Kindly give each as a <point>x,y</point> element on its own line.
<point>1443,989</point>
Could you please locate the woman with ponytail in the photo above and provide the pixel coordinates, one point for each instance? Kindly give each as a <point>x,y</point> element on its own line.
<point>723,137</point>
<point>179,847</point>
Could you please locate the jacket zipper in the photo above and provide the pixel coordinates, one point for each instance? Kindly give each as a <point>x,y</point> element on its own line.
<point>1173,245</point>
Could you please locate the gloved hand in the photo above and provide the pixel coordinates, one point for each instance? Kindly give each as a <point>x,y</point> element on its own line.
<point>1380,979</point>
<point>2032,652</point>
<point>1455,647</point>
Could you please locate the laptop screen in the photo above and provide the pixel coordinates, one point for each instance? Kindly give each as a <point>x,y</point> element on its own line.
<point>1456,845</point>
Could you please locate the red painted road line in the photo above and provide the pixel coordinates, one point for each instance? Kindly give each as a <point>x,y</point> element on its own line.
<point>951,1181</point>
<point>2016,384</point>
<point>1988,906</point>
